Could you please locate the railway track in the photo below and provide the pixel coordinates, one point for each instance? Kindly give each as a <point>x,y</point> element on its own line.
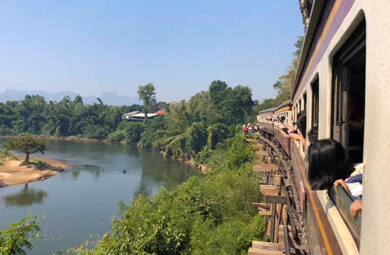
<point>285,227</point>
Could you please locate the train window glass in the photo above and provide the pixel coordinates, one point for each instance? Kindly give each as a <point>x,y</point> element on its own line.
<point>304,101</point>
<point>315,103</point>
<point>299,105</point>
<point>349,94</point>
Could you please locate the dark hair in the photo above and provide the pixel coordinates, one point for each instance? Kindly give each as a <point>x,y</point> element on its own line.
<point>301,113</point>
<point>282,118</point>
<point>327,162</point>
<point>301,123</point>
<point>313,135</point>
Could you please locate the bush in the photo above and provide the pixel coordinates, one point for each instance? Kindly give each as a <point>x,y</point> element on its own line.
<point>40,165</point>
<point>19,236</point>
<point>117,136</point>
<point>96,132</point>
<point>239,152</point>
<point>134,131</point>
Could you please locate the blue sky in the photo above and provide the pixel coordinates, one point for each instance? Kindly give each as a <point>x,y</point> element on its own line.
<point>181,46</point>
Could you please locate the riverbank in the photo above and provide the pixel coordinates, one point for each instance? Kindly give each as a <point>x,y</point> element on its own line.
<point>201,168</point>
<point>13,173</point>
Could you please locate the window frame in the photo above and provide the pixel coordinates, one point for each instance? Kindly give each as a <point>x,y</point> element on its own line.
<point>315,99</point>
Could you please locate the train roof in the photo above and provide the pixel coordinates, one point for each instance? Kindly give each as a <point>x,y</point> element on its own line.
<point>315,18</point>
<point>285,106</point>
<point>269,110</point>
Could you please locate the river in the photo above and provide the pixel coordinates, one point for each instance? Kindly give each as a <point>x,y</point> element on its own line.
<point>80,202</point>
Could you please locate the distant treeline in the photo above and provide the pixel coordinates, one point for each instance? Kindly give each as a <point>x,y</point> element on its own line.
<point>34,115</point>
<point>208,118</point>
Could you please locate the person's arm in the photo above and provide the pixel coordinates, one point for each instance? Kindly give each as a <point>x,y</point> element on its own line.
<point>356,207</point>
<point>291,129</point>
<point>299,137</point>
<point>342,183</point>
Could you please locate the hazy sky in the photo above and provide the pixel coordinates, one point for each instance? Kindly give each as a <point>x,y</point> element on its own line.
<point>181,46</point>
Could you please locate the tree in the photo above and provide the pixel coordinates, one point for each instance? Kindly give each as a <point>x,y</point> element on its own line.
<point>305,7</point>
<point>26,144</point>
<point>148,95</point>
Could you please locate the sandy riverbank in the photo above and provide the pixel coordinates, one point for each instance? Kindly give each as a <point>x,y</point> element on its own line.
<point>12,173</point>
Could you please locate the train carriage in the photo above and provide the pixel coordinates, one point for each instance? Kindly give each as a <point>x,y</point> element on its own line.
<point>264,120</point>
<point>284,140</point>
<point>343,85</point>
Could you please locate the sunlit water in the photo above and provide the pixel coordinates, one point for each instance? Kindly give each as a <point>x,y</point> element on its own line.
<point>81,201</point>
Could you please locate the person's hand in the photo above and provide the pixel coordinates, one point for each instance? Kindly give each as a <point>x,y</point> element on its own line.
<point>342,183</point>
<point>355,207</point>
<point>296,137</point>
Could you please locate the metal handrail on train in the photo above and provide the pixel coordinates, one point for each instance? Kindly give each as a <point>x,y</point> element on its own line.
<point>342,199</point>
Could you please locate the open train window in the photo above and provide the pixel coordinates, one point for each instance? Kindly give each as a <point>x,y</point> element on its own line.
<point>349,92</point>
<point>299,105</point>
<point>315,103</point>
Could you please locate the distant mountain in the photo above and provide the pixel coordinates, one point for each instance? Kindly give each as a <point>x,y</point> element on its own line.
<point>107,97</point>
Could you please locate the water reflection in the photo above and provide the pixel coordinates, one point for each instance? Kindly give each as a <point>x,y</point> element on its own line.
<point>26,197</point>
<point>93,169</point>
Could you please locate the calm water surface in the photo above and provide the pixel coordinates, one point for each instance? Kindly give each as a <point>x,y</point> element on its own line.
<point>80,202</point>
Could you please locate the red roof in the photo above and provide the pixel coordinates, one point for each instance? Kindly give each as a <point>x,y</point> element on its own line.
<point>161,112</point>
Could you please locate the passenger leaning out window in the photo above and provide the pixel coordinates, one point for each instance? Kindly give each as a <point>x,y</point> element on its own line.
<point>328,165</point>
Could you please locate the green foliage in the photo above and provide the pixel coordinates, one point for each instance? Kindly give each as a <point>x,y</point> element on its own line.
<point>148,95</point>
<point>39,164</point>
<point>217,133</point>
<point>238,152</point>
<point>152,131</point>
<point>19,236</point>
<point>204,215</point>
<point>207,119</point>
<point>134,132</point>
<point>34,115</point>
<point>131,131</point>
<point>197,135</point>
<point>7,154</point>
<point>117,136</point>
<point>27,145</point>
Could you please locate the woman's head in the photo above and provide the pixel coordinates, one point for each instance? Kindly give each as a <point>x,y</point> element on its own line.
<point>327,162</point>
<point>301,123</point>
<point>313,135</point>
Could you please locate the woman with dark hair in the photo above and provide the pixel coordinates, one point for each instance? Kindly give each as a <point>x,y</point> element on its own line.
<point>327,162</point>
<point>313,135</point>
<point>328,165</point>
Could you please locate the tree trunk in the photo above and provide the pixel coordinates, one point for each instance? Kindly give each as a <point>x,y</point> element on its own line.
<point>146,110</point>
<point>27,158</point>
<point>305,7</point>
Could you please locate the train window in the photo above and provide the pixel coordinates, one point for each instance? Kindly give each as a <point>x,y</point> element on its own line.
<point>349,94</point>
<point>315,103</point>
<point>304,101</point>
